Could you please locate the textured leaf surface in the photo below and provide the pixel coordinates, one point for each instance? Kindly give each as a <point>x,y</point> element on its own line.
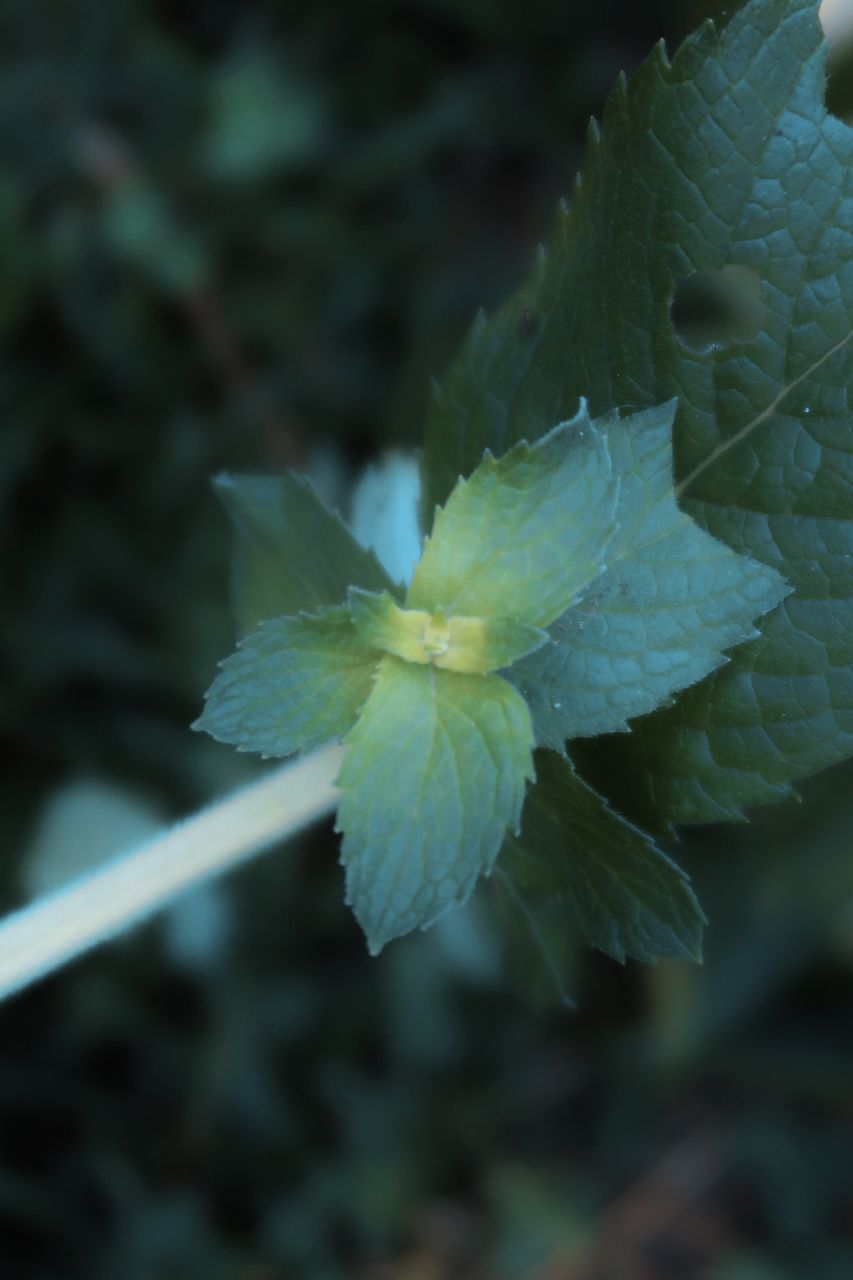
<point>291,554</point>
<point>627,897</point>
<point>292,684</point>
<point>525,534</point>
<point>669,604</point>
<point>474,646</point>
<point>434,775</point>
<point>725,157</point>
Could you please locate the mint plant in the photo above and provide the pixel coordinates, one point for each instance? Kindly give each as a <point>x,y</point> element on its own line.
<point>440,699</point>
<point>627,615</point>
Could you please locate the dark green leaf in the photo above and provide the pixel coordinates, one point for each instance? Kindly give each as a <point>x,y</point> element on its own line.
<point>622,893</point>
<point>291,553</point>
<point>542,955</point>
<point>725,157</point>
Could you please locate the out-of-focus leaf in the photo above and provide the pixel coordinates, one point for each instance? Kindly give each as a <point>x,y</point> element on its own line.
<point>262,121</point>
<point>140,227</point>
<point>84,824</point>
<point>385,508</point>
<point>271,516</point>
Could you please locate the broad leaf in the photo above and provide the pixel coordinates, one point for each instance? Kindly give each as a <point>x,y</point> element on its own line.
<point>669,604</point>
<point>525,534</point>
<point>474,646</point>
<point>291,554</point>
<point>434,776</point>
<point>724,157</point>
<point>292,685</point>
<point>625,896</point>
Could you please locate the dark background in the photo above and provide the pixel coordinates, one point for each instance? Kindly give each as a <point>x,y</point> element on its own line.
<point>243,236</point>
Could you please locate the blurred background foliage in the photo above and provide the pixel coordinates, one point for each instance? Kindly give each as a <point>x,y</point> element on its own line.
<point>244,236</point>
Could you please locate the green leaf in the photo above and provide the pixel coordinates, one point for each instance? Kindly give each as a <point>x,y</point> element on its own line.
<point>669,604</point>
<point>542,957</point>
<point>725,157</point>
<point>625,896</point>
<point>474,646</point>
<point>291,553</point>
<point>525,534</point>
<point>434,775</point>
<point>292,685</point>
<point>262,120</point>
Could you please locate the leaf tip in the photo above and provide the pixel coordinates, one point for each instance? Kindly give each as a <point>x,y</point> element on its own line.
<point>660,54</point>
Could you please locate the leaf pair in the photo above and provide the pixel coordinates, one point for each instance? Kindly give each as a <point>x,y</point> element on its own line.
<point>568,565</point>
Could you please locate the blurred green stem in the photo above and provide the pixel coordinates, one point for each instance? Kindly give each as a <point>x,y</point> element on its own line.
<point>55,929</point>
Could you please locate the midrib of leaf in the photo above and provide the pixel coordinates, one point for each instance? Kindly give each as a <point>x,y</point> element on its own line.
<point>535,932</point>
<point>433,738</point>
<point>746,431</point>
<point>709,29</point>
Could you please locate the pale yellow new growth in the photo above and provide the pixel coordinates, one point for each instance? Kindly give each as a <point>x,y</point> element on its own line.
<point>454,644</point>
<point>470,646</point>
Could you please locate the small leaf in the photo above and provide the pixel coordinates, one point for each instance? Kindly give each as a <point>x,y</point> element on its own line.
<point>669,604</point>
<point>474,646</point>
<point>434,775</point>
<point>291,554</point>
<point>292,685</point>
<point>525,534</point>
<point>262,120</point>
<point>140,227</point>
<point>626,897</point>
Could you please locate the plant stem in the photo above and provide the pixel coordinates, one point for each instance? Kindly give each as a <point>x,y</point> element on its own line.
<point>55,929</point>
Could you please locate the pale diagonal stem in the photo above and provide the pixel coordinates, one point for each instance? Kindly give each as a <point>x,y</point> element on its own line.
<point>837,19</point>
<point>746,431</point>
<point>56,929</point>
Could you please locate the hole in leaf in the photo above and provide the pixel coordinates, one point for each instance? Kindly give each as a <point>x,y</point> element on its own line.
<point>839,88</point>
<point>837,20</point>
<point>717,308</point>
